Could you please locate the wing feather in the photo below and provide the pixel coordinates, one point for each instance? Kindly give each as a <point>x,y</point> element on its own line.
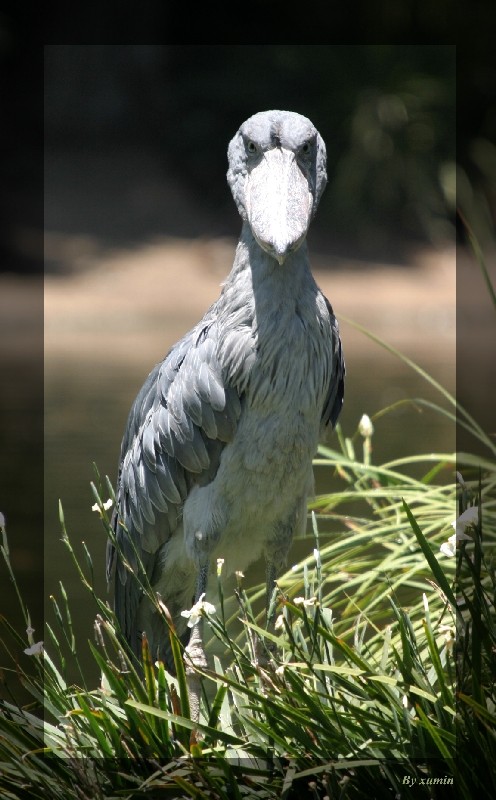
<point>134,520</point>
<point>148,445</point>
<point>169,480</point>
<point>193,454</point>
<point>192,405</point>
<point>335,392</point>
<point>178,426</point>
<point>209,419</point>
<point>157,496</point>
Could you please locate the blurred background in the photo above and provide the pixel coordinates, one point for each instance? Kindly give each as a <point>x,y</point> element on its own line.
<point>140,230</point>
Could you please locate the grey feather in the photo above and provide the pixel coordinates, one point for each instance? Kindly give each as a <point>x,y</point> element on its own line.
<point>209,422</point>
<point>192,454</point>
<point>148,446</point>
<point>170,480</point>
<point>335,392</point>
<point>133,519</point>
<point>156,492</point>
<point>145,506</point>
<point>192,404</point>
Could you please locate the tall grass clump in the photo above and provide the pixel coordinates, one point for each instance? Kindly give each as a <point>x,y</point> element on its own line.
<point>377,680</point>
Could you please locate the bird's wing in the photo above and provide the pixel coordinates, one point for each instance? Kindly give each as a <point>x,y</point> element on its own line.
<point>177,428</point>
<point>335,390</point>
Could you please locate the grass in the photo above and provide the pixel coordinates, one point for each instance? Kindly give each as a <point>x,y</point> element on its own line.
<point>378,681</point>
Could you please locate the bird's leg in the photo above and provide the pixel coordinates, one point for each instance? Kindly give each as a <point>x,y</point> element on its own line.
<point>270,585</point>
<point>194,653</point>
<point>276,551</point>
<point>270,612</point>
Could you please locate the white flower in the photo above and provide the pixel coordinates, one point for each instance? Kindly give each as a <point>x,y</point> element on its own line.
<point>201,608</point>
<point>279,623</point>
<point>239,579</point>
<point>469,517</point>
<point>449,548</point>
<point>220,563</point>
<point>365,426</point>
<point>35,649</point>
<point>30,631</point>
<point>106,505</point>
<point>303,601</point>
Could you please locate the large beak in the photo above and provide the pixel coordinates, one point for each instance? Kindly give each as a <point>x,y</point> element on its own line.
<point>278,203</point>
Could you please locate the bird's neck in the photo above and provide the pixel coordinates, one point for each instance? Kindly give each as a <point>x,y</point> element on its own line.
<point>260,293</point>
<point>254,266</point>
<point>267,311</point>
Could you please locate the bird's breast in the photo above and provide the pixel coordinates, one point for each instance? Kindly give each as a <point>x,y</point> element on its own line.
<point>267,466</point>
<point>279,356</point>
<point>290,372</point>
<point>278,361</point>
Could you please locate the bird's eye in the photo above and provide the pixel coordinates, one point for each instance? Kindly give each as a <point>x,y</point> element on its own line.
<point>251,147</point>
<point>305,148</point>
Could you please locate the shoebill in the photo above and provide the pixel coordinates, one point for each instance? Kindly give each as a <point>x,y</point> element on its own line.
<point>216,458</point>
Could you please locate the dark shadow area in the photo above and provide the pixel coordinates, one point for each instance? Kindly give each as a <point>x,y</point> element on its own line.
<point>127,126</point>
<point>136,138</point>
<point>21,340</point>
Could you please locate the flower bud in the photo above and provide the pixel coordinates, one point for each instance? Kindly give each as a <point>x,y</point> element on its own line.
<point>365,426</point>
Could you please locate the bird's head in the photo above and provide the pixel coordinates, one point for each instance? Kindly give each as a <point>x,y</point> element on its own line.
<point>277,173</point>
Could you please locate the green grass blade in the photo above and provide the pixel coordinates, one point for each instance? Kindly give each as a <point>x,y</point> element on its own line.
<point>436,569</point>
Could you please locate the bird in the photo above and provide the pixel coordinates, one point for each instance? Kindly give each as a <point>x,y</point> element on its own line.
<point>216,457</point>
